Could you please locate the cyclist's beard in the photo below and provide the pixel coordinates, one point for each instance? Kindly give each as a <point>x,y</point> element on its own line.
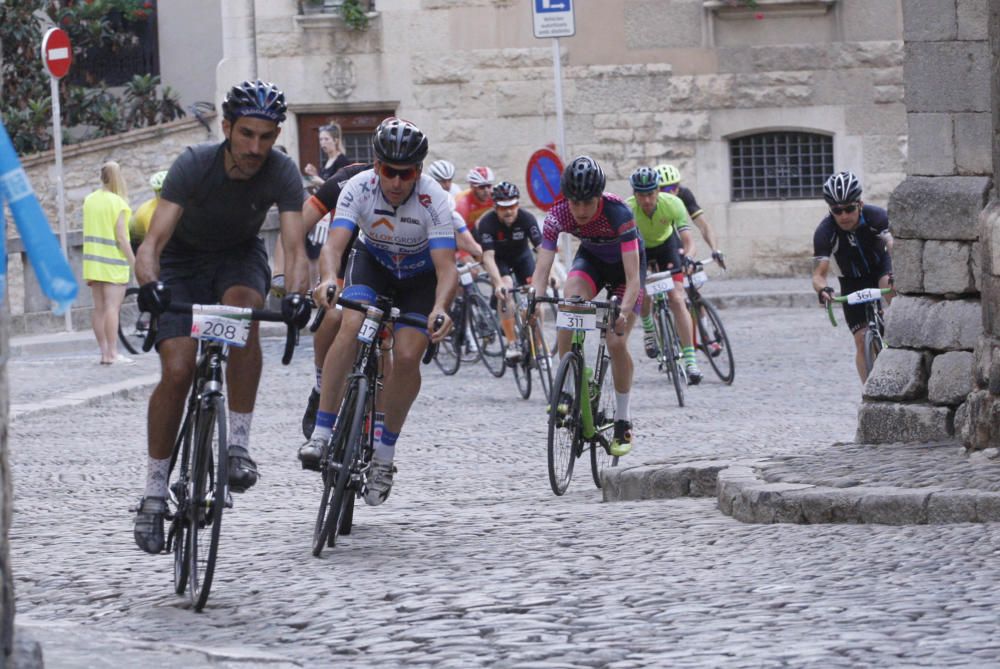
<point>239,171</point>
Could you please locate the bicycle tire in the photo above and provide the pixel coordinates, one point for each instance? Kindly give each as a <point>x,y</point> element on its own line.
<point>603,404</point>
<point>723,363</point>
<point>342,452</point>
<point>125,311</point>
<point>543,365</point>
<point>564,426</point>
<point>448,356</point>
<point>669,348</point>
<point>488,335</point>
<point>873,346</point>
<point>178,490</point>
<point>522,368</point>
<point>208,498</point>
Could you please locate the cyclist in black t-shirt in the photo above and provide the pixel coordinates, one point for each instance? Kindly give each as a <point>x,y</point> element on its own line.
<point>508,235</point>
<point>857,236</point>
<point>670,182</point>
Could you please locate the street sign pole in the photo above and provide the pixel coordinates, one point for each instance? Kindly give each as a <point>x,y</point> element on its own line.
<point>560,121</point>
<point>60,187</point>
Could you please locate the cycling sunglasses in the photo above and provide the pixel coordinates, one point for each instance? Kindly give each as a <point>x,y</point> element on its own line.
<point>405,174</point>
<point>849,209</point>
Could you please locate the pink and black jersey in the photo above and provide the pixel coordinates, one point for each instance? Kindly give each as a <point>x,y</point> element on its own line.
<point>607,235</point>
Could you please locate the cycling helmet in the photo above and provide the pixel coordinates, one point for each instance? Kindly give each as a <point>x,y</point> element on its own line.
<point>842,188</point>
<point>156,181</point>
<point>260,99</point>
<point>582,179</point>
<point>400,142</point>
<point>442,170</point>
<point>505,194</point>
<point>480,176</point>
<point>644,180</point>
<point>669,175</point>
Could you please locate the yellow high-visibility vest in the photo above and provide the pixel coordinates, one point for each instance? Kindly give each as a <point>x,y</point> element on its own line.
<point>102,259</point>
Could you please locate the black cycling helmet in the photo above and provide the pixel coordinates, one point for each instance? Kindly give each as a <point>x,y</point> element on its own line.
<point>400,142</point>
<point>505,194</point>
<point>260,99</point>
<point>582,179</point>
<point>842,188</point>
<point>645,180</point>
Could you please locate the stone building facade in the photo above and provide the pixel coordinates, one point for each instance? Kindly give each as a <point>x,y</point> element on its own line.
<point>944,325</point>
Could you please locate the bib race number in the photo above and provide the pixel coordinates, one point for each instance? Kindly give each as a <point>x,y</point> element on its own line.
<point>660,287</point>
<point>368,331</point>
<point>864,295</point>
<point>576,317</point>
<point>217,322</point>
<point>465,278</point>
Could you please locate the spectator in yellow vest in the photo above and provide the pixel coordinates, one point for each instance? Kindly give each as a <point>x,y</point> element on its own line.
<point>108,260</point>
<point>144,214</point>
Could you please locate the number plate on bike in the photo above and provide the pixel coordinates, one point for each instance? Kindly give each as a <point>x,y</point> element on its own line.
<point>465,278</point>
<point>576,317</point>
<point>864,295</point>
<point>368,331</point>
<point>218,322</point>
<point>661,286</point>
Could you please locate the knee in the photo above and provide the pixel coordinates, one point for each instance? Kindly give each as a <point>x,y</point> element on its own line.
<point>407,360</point>
<point>176,375</point>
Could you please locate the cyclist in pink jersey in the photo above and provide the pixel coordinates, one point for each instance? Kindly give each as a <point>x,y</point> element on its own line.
<point>611,255</point>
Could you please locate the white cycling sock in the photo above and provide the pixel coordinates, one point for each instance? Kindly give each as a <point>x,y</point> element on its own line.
<point>239,429</point>
<point>157,472</point>
<point>621,406</point>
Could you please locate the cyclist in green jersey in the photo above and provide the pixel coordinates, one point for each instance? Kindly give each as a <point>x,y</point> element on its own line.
<point>663,223</point>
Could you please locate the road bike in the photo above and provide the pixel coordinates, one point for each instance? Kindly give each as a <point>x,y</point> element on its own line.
<point>534,352</point>
<point>875,328</point>
<point>346,461</point>
<point>476,334</point>
<point>709,334</point>
<point>582,399</point>
<point>131,336</point>
<point>670,359</point>
<point>199,479</point>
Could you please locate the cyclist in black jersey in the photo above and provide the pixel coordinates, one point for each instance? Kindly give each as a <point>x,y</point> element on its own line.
<point>857,236</point>
<point>508,235</point>
<point>670,182</point>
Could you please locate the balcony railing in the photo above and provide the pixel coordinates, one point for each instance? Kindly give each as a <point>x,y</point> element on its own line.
<point>115,65</point>
<point>330,6</point>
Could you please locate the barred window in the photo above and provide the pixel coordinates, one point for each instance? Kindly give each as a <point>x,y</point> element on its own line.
<point>358,147</point>
<point>780,165</point>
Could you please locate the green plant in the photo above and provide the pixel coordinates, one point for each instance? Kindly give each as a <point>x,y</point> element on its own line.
<point>354,15</point>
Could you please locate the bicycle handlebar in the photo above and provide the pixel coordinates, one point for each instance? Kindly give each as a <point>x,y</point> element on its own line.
<point>844,298</point>
<point>613,305</point>
<point>398,318</point>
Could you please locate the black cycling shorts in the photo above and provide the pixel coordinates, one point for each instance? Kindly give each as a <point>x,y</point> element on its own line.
<point>600,274</point>
<point>667,256</point>
<point>203,278</point>
<point>520,267</point>
<point>366,278</point>
<point>856,314</point>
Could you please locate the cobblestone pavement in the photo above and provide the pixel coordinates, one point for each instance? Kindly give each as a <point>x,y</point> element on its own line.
<point>473,561</point>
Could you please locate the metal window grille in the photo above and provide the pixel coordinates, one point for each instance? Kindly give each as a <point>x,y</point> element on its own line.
<point>780,165</point>
<point>358,147</point>
<point>115,66</point>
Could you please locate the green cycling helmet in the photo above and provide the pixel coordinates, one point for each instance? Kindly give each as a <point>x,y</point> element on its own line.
<point>644,180</point>
<point>669,175</point>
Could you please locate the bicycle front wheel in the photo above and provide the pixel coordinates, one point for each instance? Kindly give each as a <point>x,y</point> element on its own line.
<point>487,333</point>
<point>449,353</point>
<point>128,311</point>
<point>207,497</point>
<point>522,368</point>
<point>603,403</point>
<point>670,358</point>
<point>542,362</point>
<point>713,341</point>
<point>564,423</point>
<point>873,346</point>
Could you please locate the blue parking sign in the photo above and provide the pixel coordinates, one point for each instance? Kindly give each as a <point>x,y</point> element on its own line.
<point>553,6</point>
<point>553,18</point>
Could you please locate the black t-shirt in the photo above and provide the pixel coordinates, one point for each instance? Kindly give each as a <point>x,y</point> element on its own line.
<point>325,200</point>
<point>690,203</point>
<point>222,213</point>
<point>508,243</point>
<point>339,163</point>
<point>860,253</point>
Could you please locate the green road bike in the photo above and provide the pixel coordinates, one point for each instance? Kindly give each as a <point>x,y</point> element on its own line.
<point>875,328</point>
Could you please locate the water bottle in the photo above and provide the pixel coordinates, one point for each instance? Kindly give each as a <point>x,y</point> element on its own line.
<point>55,276</point>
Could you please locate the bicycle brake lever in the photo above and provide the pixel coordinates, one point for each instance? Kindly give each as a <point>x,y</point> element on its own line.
<point>432,348</point>
<point>147,343</point>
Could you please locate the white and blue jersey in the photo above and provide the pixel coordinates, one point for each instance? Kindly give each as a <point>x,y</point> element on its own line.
<point>399,238</point>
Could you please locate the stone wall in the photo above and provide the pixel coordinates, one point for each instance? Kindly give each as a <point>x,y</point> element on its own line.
<point>920,388</point>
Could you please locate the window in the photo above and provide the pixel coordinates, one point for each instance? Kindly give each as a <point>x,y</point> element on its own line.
<point>356,131</point>
<point>116,64</point>
<point>780,165</point>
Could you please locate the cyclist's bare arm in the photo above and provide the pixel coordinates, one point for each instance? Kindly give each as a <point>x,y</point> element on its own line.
<point>329,263</point>
<point>161,229</point>
<point>490,262</point>
<point>447,284</point>
<point>821,267</point>
<point>687,242</point>
<point>293,231</point>
<point>467,243</point>
<point>543,267</point>
<point>887,236</point>
<point>706,231</point>
<point>633,282</point>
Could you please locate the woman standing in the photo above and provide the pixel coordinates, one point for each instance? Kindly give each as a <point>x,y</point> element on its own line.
<point>107,257</point>
<point>331,144</point>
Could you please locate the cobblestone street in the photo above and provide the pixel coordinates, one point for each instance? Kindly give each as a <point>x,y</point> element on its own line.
<point>473,561</point>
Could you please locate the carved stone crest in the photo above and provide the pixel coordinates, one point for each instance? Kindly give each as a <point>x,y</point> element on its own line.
<point>339,78</point>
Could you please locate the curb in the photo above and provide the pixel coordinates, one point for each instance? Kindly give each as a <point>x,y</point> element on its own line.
<point>796,300</point>
<point>90,397</point>
<point>743,495</point>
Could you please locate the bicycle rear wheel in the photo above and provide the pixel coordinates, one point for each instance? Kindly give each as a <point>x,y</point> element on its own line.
<point>487,333</point>
<point>603,403</point>
<point>873,346</point>
<point>208,489</point>
<point>336,466</point>
<point>713,341</point>
<point>129,313</point>
<point>543,362</point>
<point>670,361</point>
<point>564,423</point>
<point>449,353</point>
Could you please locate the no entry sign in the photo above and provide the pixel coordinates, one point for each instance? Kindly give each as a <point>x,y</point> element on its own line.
<point>57,54</point>
<point>543,175</point>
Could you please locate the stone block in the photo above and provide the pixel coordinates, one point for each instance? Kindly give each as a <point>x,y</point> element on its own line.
<point>938,207</point>
<point>929,20</point>
<point>976,265</point>
<point>931,144</point>
<point>947,76</point>
<point>952,506</point>
<point>951,378</point>
<point>973,19</point>
<point>889,422</point>
<point>989,236</point>
<point>973,143</point>
<point>899,374</point>
<point>867,20</point>
<point>829,505</point>
<point>644,24</point>
<point>942,325</point>
<point>982,358</point>
<point>988,507</point>
<point>894,506</point>
<point>989,291</point>
<point>908,265</point>
<point>947,268</point>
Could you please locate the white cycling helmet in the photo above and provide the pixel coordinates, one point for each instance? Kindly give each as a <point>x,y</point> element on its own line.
<point>480,176</point>
<point>442,170</point>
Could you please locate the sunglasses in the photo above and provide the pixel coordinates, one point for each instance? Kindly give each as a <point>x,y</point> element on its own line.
<point>849,209</point>
<point>405,174</point>
<point>483,187</point>
<point>670,189</point>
